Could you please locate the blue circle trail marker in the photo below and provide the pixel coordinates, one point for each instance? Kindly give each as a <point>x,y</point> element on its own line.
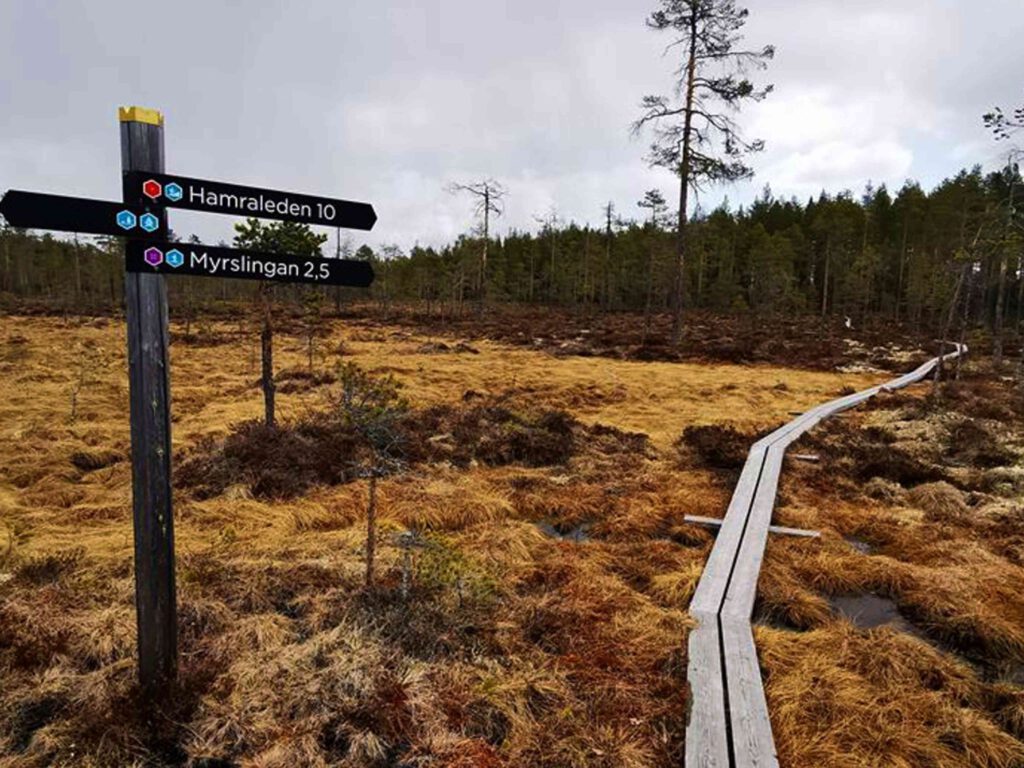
<point>147,192</point>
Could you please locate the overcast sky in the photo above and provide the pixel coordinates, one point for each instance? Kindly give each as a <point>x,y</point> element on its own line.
<point>387,102</point>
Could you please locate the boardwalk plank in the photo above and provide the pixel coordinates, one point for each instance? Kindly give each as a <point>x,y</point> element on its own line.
<point>753,745</point>
<point>706,742</point>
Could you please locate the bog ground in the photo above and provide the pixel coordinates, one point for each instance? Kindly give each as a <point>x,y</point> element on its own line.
<point>542,621</point>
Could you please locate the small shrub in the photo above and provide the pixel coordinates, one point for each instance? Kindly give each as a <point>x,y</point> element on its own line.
<point>493,435</point>
<point>48,568</point>
<point>361,431</point>
<point>975,445</point>
<point>718,447</point>
<point>275,462</point>
<point>890,462</point>
<point>91,460</point>
<point>543,442</point>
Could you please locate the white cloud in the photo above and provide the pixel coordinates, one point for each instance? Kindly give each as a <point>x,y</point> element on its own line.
<point>838,165</point>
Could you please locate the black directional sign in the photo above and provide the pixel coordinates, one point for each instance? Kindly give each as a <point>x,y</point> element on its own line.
<point>34,210</point>
<point>220,197</point>
<point>210,261</point>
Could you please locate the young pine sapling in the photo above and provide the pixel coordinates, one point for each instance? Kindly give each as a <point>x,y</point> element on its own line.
<point>372,408</point>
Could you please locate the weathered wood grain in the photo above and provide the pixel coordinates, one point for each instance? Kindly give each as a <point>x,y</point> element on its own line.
<point>706,742</point>
<point>142,148</point>
<point>752,742</point>
<point>714,522</point>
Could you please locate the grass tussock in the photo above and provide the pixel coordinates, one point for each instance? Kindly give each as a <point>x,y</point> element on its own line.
<point>940,501</point>
<point>882,698</point>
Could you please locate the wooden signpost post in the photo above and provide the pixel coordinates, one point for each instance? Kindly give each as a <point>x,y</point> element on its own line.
<point>147,192</point>
<point>142,148</point>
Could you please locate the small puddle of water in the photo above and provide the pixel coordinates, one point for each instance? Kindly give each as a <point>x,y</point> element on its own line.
<point>1012,674</point>
<point>859,544</point>
<point>578,534</point>
<point>870,611</point>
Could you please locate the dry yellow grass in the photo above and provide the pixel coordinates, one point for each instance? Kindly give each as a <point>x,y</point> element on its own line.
<point>840,696</point>
<point>517,649</point>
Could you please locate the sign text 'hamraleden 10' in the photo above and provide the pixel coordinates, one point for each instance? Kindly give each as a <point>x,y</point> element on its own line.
<point>234,199</point>
<point>210,261</point>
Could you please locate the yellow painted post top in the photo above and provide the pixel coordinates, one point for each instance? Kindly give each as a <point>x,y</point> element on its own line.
<point>140,115</point>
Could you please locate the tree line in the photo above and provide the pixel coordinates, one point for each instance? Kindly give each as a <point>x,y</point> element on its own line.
<point>898,255</point>
<point>923,257</point>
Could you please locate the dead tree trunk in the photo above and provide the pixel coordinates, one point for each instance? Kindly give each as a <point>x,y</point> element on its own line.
<point>267,353</point>
<point>997,325</point>
<point>371,529</point>
<point>482,295</point>
<point>824,281</point>
<point>950,315</point>
<point>678,284</point>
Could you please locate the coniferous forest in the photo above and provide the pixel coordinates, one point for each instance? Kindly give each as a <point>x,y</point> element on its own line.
<point>908,255</point>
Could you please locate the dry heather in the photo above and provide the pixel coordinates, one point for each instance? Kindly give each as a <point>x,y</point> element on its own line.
<point>545,623</point>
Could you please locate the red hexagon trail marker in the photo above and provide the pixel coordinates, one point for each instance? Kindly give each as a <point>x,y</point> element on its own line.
<point>151,189</point>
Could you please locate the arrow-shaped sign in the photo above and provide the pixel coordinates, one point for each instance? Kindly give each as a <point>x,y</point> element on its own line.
<point>220,197</point>
<point>35,210</point>
<point>214,261</point>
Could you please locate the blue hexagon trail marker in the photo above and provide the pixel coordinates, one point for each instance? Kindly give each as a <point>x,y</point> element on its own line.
<point>174,258</point>
<point>149,222</point>
<point>173,192</point>
<point>126,220</point>
<point>37,210</point>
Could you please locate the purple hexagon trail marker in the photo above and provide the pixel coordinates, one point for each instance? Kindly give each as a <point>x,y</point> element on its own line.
<point>154,257</point>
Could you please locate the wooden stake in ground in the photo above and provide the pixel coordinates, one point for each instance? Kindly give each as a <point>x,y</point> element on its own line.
<point>142,149</point>
<point>267,354</point>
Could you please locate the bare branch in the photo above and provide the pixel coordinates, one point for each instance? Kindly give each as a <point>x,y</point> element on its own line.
<point>489,194</point>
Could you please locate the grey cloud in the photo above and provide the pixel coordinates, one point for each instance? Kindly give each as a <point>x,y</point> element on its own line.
<point>387,102</point>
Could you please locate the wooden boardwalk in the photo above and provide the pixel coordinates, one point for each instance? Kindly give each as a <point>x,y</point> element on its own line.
<point>728,725</point>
